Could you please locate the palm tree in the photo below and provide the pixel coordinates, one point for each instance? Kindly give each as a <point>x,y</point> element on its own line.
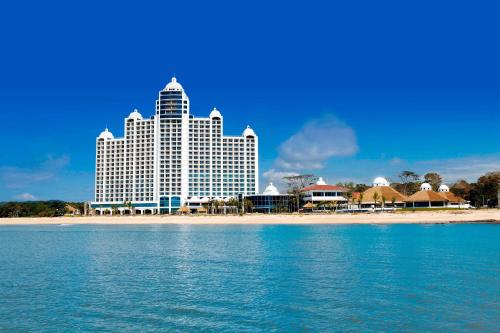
<point>248,205</point>
<point>348,195</point>
<point>375,198</point>
<point>114,209</point>
<point>360,199</point>
<point>383,201</point>
<point>130,207</point>
<point>393,201</point>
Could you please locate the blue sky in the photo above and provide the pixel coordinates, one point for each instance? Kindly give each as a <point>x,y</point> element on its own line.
<point>376,87</point>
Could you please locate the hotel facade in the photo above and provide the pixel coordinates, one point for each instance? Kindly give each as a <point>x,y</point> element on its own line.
<point>172,159</point>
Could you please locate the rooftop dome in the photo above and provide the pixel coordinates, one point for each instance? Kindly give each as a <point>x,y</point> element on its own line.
<point>425,187</point>
<point>248,132</point>
<point>320,181</point>
<point>444,188</point>
<point>380,181</point>
<point>135,115</point>
<point>215,113</point>
<point>173,85</point>
<point>271,190</point>
<point>106,135</point>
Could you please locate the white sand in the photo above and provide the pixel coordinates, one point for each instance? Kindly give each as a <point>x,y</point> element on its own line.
<point>489,215</point>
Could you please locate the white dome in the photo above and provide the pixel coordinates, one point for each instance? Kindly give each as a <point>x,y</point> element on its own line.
<point>135,115</point>
<point>248,132</point>
<point>106,135</point>
<point>425,187</point>
<point>320,181</point>
<point>271,190</point>
<point>215,113</point>
<point>444,188</point>
<point>380,181</point>
<point>173,85</point>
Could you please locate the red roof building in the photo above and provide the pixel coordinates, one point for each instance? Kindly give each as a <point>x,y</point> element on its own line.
<point>321,191</point>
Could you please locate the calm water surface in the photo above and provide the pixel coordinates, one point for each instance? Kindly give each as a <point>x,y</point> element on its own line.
<point>439,278</point>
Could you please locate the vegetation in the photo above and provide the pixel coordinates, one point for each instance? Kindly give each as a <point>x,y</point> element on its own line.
<point>410,182</point>
<point>297,183</point>
<point>360,188</point>
<point>247,203</point>
<point>434,179</point>
<point>36,208</point>
<point>482,193</point>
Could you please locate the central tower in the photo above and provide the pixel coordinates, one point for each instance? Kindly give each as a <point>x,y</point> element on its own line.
<point>172,137</point>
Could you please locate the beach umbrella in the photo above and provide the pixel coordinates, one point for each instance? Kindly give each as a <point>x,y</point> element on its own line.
<point>184,210</point>
<point>309,205</point>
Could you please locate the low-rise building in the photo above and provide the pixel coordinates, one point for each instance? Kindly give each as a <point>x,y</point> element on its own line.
<point>322,193</point>
<point>426,198</point>
<point>271,201</point>
<point>380,195</point>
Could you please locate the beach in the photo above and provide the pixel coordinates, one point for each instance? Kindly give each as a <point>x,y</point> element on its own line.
<point>417,217</point>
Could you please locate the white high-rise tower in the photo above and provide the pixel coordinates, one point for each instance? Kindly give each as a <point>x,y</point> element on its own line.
<point>173,158</point>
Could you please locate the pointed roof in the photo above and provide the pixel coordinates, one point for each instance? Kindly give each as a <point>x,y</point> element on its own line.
<point>309,205</point>
<point>451,197</point>
<point>426,196</point>
<point>382,191</point>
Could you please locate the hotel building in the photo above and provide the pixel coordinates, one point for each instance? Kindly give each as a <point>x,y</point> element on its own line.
<point>164,161</point>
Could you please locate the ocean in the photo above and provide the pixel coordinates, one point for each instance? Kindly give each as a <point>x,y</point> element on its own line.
<point>250,278</point>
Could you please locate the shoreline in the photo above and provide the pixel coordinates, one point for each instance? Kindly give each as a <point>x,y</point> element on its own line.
<point>419,217</point>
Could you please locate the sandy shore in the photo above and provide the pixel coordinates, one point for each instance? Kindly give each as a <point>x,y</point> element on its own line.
<point>490,215</point>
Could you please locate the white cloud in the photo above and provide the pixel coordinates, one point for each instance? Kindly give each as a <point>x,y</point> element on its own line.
<point>396,161</point>
<point>318,141</point>
<point>19,178</point>
<point>25,197</point>
<point>276,177</point>
<point>469,168</point>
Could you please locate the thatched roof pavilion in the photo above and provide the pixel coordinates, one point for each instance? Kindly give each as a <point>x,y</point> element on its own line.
<point>309,205</point>
<point>451,197</point>
<point>383,191</point>
<point>184,210</point>
<point>426,197</point>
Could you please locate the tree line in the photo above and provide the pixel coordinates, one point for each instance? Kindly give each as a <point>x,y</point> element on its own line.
<point>37,208</point>
<point>483,192</point>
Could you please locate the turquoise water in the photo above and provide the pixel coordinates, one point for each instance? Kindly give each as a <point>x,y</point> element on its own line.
<point>439,278</point>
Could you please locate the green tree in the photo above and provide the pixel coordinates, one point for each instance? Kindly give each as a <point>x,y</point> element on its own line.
<point>248,205</point>
<point>348,185</point>
<point>410,180</point>
<point>360,188</point>
<point>488,187</point>
<point>434,179</point>
<point>461,189</point>
<point>375,198</point>
<point>360,199</point>
<point>296,183</point>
